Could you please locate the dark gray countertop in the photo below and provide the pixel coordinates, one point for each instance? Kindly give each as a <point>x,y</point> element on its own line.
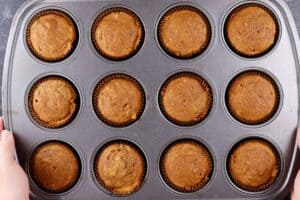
<point>8,9</point>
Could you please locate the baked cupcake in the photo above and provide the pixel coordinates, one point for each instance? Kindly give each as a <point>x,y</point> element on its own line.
<point>252,97</point>
<point>119,100</point>
<point>117,33</point>
<point>52,35</point>
<point>120,167</point>
<point>254,165</point>
<point>184,32</point>
<point>186,166</point>
<point>55,167</point>
<point>185,99</point>
<point>53,102</point>
<point>251,30</point>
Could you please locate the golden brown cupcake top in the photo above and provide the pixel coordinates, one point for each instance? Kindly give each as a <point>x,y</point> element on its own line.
<point>120,168</point>
<point>184,32</point>
<point>254,165</point>
<point>55,167</point>
<point>51,35</point>
<point>117,33</point>
<point>186,166</point>
<point>251,30</point>
<point>252,97</point>
<point>185,99</point>
<point>53,102</point>
<point>119,100</point>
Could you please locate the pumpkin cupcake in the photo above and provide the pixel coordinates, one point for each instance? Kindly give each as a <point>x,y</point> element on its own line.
<point>52,35</point>
<point>254,165</point>
<point>252,97</point>
<point>53,102</point>
<point>117,33</point>
<point>185,99</point>
<point>184,32</point>
<point>120,167</point>
<point>55,167</point>
<point>186,166</point>
<point>251,30</point>
<point>119,100</point>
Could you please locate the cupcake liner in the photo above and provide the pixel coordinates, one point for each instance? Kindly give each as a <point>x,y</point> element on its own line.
<point>53,12</point>
<point>98,20</point>
<point>261,187</point>
<point>203,183</point>
<point>276,106</point>
<point>35,180</point>
<point>98,177</point>
<point>193,9</point>
<point>102,83</point>
<point>203,82</point>
<point>241,7</point>
<point>35,116</point>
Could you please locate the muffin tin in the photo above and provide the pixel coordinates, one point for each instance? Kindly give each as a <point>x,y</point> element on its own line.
<point>151,67</point>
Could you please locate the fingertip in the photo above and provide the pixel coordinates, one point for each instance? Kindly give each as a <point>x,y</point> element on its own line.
<point>7,146</point>
<point>1,123</point>
<point>298,137</point>
<point>6,135</point>
<point>7,138</point>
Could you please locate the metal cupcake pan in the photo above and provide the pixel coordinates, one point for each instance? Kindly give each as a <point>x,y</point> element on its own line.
<point>151,66</point>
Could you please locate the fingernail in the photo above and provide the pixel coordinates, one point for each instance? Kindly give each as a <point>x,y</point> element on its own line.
<point>5,134</point>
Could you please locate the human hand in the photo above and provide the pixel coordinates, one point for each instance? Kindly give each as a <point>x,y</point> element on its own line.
<point>296,190</point>
<point>13,180</point>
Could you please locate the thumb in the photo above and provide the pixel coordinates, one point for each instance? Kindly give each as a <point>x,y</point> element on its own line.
<point>296,193</point>
<point>7,148</point>
<point>296,189</point>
